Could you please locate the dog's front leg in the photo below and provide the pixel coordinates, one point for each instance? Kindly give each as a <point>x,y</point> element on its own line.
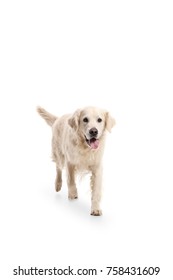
<point>72,190</point>
<point>96,188</point>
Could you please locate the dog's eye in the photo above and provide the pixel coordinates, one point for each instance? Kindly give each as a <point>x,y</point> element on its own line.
<point>99,120</point>
<point>85,120</point>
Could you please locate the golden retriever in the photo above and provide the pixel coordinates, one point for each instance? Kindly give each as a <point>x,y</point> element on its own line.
<point>78,144</point>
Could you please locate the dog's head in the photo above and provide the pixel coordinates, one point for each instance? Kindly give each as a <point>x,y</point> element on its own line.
<point>91,123</point>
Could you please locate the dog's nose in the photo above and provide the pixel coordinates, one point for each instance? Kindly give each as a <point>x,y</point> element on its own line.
<point>93,132</point>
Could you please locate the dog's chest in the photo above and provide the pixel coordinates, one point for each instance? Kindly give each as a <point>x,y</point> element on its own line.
<point>83,160</point>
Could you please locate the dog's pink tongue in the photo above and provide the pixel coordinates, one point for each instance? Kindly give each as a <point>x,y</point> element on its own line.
<point>94,144</point>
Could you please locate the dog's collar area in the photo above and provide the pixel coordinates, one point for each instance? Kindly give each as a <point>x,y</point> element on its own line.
<point>93,143</point>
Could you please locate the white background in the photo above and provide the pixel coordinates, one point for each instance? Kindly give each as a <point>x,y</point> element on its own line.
<point>63,55</point>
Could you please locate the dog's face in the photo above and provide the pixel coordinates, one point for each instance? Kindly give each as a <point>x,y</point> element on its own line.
<point>90,123</point>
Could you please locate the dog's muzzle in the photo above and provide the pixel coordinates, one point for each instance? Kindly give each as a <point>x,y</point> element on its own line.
<point>93,143</point>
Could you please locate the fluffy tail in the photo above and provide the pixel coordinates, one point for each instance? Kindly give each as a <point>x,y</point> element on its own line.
<point>49,118</point>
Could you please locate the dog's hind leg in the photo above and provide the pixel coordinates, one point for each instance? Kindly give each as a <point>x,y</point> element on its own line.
<point>58,181</point>
<point>72,190</point>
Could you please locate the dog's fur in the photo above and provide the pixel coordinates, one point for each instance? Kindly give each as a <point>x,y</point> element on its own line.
<point>77,144</point>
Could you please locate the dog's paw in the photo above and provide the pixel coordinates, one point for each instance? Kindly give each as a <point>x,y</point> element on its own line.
<point>96,212</point>
<point>73,195</point>
<point>58,186</point>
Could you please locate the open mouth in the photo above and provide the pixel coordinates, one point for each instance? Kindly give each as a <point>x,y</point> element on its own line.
<point>93,142</point>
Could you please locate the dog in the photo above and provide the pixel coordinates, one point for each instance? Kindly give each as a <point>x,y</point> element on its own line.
<point>78,142</point>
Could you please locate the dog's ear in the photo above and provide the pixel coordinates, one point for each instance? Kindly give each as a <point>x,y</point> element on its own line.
<point>110,122</point>
<point>74,120</point>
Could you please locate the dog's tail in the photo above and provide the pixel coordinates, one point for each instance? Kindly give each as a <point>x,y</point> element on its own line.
<point>49,118</point>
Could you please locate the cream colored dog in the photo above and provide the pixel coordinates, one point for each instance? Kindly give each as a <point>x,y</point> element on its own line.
<point>77,144</point>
